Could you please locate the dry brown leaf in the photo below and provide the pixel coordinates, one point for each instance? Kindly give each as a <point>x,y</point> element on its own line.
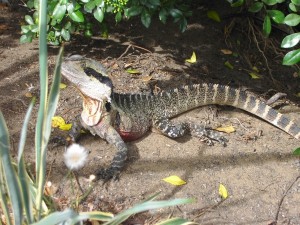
<point>226,51</point>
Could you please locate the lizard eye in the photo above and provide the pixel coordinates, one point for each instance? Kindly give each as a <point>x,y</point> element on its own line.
<point>103,79</point>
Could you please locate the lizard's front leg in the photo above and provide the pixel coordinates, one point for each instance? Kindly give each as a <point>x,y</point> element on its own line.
<point>107,132</point>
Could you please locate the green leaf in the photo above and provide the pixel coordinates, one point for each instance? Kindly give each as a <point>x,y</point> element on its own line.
<point>25,29</point>
<point>70,8</point>
<point>292,19</point>
<point>296,2</point>
<point>291,57</point>
<point>99,3</point>
<point>118,17</point>
<point>77,16</point>
<point>267,26</point>
<point>59,11</point>
<point>88,7</point>
<point>290,40</point>
<point>26,38</point>
<point>34,28</point>
<point>145,206</point>
<point>57,217</point>
<point>29,20</point>
<point>9,173</point>
<point>270,2</point>
<point>146,18</point>
<point>133,71</point>
<point>292,7</point>
<point>236,3</point>
<point>296,151</point>
<point>176,13</point>
<point>183,24</point>
<point>256,7</point>
<point>212,14</point>
<point>276,15</point>
<point>163,14</point>
<point>154,2</point>
<point>24,182</point>
<point>65,34</point>
<point>99,14</point>
<point>134,11</point>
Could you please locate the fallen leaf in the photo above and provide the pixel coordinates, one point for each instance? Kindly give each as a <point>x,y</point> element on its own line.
<point>62,85</point>
<point>254,75</point>
<point>28,95</point>
<point>296,152</point>
<point>298,94</point>
<point>228,65</point>
<point>255,69</point>
<point>175,180</point>
<point>146,78</point>
<point>223,191</point>
<point>133,71</point>
<point>58,121</point>
<point>193,58</point>
<point>227,129</point>
<point>226,51</point>
<point>212,14</point>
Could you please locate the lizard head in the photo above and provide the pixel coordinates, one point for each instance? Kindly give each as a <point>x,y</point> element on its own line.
<point>90,78</point>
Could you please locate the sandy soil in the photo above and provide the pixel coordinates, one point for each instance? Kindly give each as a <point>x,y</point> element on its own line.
<point>259,171</point>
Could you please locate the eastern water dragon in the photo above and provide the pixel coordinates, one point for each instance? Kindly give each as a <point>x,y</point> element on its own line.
<point>118,117</point>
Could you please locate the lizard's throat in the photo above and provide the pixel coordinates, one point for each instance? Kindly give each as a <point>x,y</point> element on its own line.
<point>92,110</point>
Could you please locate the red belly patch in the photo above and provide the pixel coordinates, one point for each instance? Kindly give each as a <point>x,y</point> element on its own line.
<point>130,136</point>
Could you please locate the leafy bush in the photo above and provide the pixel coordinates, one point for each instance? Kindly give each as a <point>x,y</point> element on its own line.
<point>65,17</point>
<point>286,12</point>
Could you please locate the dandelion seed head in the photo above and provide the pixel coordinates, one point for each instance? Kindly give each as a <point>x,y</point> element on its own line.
<point>75,156</point>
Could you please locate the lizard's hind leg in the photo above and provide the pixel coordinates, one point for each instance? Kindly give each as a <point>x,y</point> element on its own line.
<point>175,130</point>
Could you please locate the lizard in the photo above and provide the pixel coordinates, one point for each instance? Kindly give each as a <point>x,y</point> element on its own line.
<point>118,117</point>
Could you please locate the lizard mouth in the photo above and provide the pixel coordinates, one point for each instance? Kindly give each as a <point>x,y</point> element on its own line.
<point>92,110</point>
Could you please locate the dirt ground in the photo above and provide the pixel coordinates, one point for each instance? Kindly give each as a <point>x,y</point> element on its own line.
<point>257,166</point>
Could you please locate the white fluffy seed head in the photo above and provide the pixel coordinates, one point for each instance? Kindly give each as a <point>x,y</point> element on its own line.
<point>75,156</point>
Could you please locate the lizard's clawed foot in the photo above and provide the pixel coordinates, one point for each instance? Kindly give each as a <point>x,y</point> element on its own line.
<point>108,174</point>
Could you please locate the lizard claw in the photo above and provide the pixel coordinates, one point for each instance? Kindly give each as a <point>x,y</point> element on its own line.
<point>108,174</point>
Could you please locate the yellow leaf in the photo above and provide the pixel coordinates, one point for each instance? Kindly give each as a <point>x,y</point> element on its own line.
<point>228,129</point>
<point>298,94</point>
<point>212,14</point>
<point>175,180</point>
<point>193,58</point>
<point>255,69</point>
<point>62,85</point>
<point>226,51</point>
<point>58,121</point>
<point>223,191</point>
<point>228,65</point>
<point>66,126</point>
<point>254,75</point>
<point>133,71</point>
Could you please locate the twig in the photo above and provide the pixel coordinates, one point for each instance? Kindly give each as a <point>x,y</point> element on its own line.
<point>132,46</point>
<point>261,51</point>
<point>281,200</point>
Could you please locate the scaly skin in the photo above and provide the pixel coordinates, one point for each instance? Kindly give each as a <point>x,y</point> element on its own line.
<point>125,117</point>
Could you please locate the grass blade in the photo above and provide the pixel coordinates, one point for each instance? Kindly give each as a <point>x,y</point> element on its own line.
<point>121,217</point>
<point>23,177</point>
<point>57,218</point>
<point>3,197</point>
<point>9,173</point>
